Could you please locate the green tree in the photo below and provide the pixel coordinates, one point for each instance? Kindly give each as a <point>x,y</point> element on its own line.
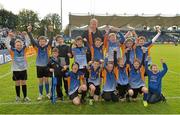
<point>54,20</point>
<point>8,19</point>
<point>28,17</point>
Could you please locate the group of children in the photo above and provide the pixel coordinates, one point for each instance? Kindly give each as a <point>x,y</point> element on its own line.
<point>112,68</point>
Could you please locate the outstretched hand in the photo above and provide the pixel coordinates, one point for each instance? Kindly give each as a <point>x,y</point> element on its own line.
<point>162,61</point>
<point>107,29</point>
<point>29,28</point>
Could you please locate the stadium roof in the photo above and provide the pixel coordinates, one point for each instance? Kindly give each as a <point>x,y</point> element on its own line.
<point>123,20</point>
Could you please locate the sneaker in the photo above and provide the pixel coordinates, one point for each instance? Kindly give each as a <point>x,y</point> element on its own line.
<point>90,101</point>
<point>27,99</point>
<point>134,99</point>
<point>40,98</point>
<point>145,103</point>
<point>48,96</point>
<point>18,99</point>
<point>122,99</point>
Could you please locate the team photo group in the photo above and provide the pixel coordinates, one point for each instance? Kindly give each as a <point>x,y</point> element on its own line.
<point>95,66</point>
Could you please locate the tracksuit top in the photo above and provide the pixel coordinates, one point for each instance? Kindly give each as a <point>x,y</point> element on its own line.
<point>154,80</point>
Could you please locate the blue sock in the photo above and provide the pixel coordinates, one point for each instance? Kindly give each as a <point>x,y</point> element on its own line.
<point>47,88</point>
<point>41,89</point>
<point>145,96</point>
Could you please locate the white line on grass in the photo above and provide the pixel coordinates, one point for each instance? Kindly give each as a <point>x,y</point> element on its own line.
<point>49,102</point>
<point>174,72</point>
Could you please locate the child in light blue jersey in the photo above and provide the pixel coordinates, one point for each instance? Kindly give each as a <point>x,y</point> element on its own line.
<point>19,66</point>
<point>43,49</point>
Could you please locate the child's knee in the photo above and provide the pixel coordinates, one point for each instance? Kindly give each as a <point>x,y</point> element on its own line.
<point>18,83</point>
<point>144,90</point>
<point>92,88</point>
<point>76,101</point>
<point>130,92</point>
<point>23,82</point>
<point>46,80</point>
<point>84,88</point>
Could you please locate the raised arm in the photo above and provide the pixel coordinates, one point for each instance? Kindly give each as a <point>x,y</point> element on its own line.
<point>143,58</point>
<point>33,42</point>
<point>147,69</point>
<point>121,37</point>
<point>50,28</point>
<point>7,43</point>
<point>157,35</point>
<point>165,68</point>
<point>154,39</point>
<point>115,59</point>
<point>27,42</point>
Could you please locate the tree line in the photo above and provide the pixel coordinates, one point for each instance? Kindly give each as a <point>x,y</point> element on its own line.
<point>27,17</point>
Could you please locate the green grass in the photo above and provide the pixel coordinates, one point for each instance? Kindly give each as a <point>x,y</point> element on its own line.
<point>170,53</point>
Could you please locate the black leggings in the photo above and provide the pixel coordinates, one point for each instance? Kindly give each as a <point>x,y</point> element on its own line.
<point>110,96</point>
<point>59,87</point>
<point>122,90</point>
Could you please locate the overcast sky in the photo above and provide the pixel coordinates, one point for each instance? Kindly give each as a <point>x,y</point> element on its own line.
<point>43,7</point>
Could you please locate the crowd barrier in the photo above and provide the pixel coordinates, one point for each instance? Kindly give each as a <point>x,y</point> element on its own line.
<point>5,56</point>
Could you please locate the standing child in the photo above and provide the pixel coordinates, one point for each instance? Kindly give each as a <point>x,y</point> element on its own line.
<point>80,53</point>
<point>128,45</point>
<point>19,66</point>
<point>141,43</point>
<point>97,50</point>
<point>76,85</point>
<point>111,43</point>
<point>54,65</point>
<point>155,82</point>
<point>43,49</point>
<point>64,55</point>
